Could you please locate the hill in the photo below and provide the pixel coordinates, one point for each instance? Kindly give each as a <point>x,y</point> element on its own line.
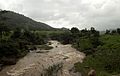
<point>14,20</point>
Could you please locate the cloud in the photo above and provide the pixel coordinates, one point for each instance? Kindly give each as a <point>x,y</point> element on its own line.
<point>102,14</point>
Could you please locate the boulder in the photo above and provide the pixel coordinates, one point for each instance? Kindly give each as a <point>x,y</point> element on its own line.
<point>92,73</point>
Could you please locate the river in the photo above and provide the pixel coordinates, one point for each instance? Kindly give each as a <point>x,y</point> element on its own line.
<point>33,64</point>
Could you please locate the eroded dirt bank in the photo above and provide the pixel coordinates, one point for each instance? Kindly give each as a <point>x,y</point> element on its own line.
<point>34,63</point>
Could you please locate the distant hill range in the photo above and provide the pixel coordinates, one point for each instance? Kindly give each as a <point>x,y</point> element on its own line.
<point>14,20</point>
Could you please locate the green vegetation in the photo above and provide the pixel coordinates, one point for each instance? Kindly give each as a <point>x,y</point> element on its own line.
<point>106,58</point>
<point>86,40</point>
<point>102,51</point>
<point>14,20</point>
<point>52,70</point>
<point>64,37</point>
<point>14,44</point>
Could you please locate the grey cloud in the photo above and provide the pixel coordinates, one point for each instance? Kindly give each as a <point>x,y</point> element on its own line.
<point>101,14</point>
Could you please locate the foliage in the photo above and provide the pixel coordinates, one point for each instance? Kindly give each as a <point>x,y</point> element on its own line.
<point>84,45</point>
<point>112,32</point>
<point>86,40</point>
<point>11,50</point>
<point>74,30</point>
<point>106,60</point>
<point>53,70</point>
<point>118,30</point>
<point>107,32</point>
<point>14,20</point>
<point>16,47</point>
<point>63,37</point>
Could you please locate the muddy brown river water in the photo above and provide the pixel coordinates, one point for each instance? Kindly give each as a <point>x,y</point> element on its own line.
<point>33,64</point>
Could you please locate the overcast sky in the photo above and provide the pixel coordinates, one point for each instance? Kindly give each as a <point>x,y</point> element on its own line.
<point>101,14</point>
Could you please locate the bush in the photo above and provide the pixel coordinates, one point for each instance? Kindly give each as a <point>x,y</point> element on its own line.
<point>10,52</point>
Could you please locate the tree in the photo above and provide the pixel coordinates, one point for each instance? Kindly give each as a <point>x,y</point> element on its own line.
<point>107,32</point>
<point>92,30</point>
<point>114,32</point>
<point>85,32</point>
<point>74,30</point>
<point>118,30</point>
<point>75,34</point>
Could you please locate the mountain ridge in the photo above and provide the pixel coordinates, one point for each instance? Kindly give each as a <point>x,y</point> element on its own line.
<point>15,20</point>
